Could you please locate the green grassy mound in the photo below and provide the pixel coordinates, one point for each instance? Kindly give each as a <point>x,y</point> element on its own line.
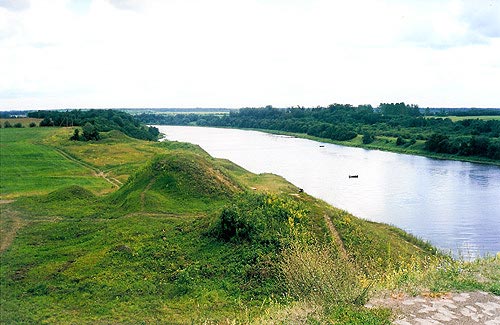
<point>175,183</point>
<point>73,192</point>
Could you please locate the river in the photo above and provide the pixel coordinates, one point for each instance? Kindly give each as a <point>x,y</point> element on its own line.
<point>454,205</point>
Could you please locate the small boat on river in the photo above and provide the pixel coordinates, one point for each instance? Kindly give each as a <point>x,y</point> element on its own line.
<point>353,176</point>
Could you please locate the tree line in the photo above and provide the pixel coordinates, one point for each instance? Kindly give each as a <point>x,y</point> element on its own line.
<point>343,122</point>
<point>95,121</point>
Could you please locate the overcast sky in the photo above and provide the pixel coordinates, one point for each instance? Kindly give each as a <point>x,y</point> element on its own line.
<point>239,53</point>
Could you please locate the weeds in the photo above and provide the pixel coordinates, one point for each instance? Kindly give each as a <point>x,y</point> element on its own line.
<point>315,273</point>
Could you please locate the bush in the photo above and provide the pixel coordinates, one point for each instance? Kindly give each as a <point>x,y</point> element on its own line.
<point>400,141</point>
<point>32,124</point>
<point>90,132</point>
<point>75,136</point>
<point>368,138</point>
<point>260,218</point>
<point>47,121</point>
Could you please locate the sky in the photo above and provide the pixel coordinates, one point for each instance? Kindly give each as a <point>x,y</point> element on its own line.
<point>58,54</point>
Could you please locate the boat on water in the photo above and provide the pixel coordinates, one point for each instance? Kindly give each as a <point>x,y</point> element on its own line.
<point>353,176</point>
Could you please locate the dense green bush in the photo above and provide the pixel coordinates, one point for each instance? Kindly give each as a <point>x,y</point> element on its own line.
<point>259,218</point>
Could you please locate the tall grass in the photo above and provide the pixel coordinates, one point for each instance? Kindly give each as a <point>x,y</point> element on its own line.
<point>435,275</point>
<point>318,274</point>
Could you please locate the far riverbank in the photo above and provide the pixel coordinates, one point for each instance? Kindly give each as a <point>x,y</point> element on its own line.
<point>387,144</point>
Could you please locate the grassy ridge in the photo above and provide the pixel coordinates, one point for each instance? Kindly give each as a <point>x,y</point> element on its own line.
<point>161,248</point>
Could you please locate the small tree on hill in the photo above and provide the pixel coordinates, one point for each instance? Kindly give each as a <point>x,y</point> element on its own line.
<point>90,132</point>
<point>75,136</point>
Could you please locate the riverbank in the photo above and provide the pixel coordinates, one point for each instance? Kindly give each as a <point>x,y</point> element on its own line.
<point>388,144</point>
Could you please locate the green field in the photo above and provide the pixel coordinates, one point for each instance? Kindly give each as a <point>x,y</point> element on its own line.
<point>30,167</point>
<point>25,121</point>
<point>484,118</point>
<point>130,231</point>
<point>461,118</point>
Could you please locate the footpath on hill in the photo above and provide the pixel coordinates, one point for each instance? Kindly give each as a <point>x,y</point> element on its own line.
<point>451,309</point>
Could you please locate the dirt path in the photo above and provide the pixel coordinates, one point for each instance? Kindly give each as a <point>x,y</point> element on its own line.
<point>8,234</point>
<point>452,308</point>
<point>96,171</point>
<point>335,235</point>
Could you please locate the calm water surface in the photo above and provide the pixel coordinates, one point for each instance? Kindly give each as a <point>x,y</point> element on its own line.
<point>454,205</point>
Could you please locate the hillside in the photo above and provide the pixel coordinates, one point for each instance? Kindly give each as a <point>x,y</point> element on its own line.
<point>135,231</point>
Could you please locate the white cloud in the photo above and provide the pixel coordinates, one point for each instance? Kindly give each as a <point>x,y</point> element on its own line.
<point>15,5</point>
<point>221,53</point>
<point>482,17</point>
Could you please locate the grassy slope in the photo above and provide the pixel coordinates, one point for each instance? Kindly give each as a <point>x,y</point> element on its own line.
<point>29,168</point>
<point>144,253</point>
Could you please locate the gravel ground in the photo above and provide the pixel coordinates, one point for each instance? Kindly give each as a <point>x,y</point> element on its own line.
<point>453,308</point>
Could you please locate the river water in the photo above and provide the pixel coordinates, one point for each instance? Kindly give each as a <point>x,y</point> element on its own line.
<point>454,205</point>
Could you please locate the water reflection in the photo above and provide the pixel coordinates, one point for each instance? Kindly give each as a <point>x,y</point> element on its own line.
<point>454,205</point>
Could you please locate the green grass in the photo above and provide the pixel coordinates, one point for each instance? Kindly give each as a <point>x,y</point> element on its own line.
<point>154,250</point>
<point>29,167</point>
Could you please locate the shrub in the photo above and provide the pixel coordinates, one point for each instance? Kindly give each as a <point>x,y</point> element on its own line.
<point>75,136</point>
<point>260,218</point>
<point>368,138</point>
<point>90,132</point>
<point>400,141</point>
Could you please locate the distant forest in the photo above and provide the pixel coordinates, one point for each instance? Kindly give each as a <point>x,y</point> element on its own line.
<point>97,120</point>
<point>343,122</point>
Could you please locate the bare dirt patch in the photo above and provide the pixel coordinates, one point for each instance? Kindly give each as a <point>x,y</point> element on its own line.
<point>9,228</point>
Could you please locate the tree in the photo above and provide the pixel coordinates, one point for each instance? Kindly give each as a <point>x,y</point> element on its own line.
<point>7,124</point>
<point>438,143</point>
<point>47,121</point>
<point>400,141</point>
<point>75,136</point>
<point>90,132</point>
<point>32,124</point>
<point>368,138</point>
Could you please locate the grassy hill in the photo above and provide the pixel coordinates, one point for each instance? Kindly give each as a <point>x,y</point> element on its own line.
<point>129,231</point>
